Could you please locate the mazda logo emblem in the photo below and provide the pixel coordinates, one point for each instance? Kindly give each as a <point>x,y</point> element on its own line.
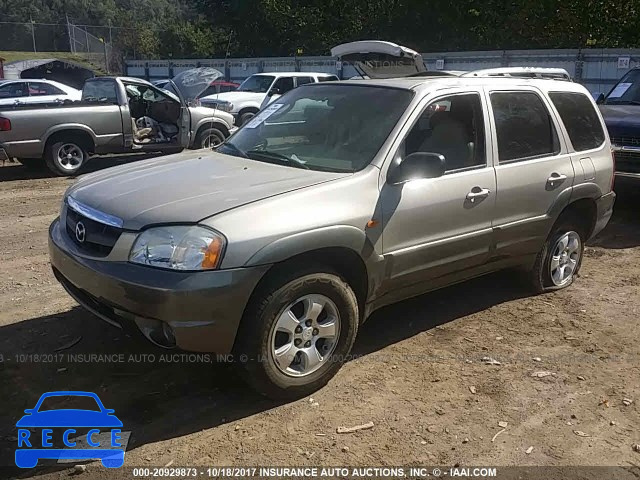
<point>81,232</point>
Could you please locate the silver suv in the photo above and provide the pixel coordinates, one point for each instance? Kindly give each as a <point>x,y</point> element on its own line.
<point>336,200</point>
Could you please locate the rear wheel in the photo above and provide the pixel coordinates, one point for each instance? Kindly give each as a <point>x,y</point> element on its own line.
<point>297,333</point>
<point>558,263</point>
<point>65,158</point>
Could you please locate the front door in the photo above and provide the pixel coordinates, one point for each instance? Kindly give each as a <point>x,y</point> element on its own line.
<point>436,228</point>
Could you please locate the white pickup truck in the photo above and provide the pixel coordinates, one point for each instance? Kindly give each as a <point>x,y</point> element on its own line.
<point>251,96</point>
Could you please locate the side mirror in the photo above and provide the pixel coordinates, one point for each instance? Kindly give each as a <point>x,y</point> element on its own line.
<point>600,99</point>
<point>273,91</point>
<point>416,166</point>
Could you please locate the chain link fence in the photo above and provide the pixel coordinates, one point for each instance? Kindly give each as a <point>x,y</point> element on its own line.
<point>88,44</point>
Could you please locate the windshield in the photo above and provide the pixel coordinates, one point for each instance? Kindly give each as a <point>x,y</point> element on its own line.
<point>256,83</point>
<point>627,91</point>
<point>327,127</point>
<point>69,402</point>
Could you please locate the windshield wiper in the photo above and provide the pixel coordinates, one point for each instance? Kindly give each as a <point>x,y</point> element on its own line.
<point>236,151</point>
<point>278,157</point>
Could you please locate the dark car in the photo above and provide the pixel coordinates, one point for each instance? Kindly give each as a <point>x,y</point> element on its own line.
<point>621,112</point>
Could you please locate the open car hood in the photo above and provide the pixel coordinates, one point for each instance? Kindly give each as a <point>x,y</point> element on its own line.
<point>378,59</point>
<point>191,83</point>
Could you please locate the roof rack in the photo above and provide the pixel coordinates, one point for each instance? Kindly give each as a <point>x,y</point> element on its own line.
<point>522,72</point>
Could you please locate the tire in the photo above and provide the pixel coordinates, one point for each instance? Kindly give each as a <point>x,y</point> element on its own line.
<point>209,138</point>
<point>563,248</point>
<point>245,117</point>
<point>56,163</point>
<point>259,337</point>
<point>32,163</point>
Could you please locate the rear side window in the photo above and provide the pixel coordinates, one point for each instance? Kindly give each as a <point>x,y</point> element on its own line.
<point>303,80</point>
<point>580,119</point>
<point>100,91</point>
<point>524,127</point>
<point>39,89</point>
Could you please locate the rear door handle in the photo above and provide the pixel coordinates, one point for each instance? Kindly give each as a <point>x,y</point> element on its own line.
<point>556,179</point>
<point>478,193</point>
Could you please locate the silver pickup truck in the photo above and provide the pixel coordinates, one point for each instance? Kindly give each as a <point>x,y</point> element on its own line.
<point>116,115</point>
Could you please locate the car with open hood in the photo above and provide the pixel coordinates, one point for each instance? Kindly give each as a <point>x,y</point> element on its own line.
<point>115,115</point>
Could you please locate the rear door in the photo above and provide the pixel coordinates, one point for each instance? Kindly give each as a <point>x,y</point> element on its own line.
<point>534,171</point>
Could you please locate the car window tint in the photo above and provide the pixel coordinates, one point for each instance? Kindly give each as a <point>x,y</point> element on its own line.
<point>303,80</point>
<point>580,119</point>
<point>37,89</point>
<point>13,90</point>
<point>284,84</point>
<point>66,402</point>
<point>453,127</point>
<point>523,125</point>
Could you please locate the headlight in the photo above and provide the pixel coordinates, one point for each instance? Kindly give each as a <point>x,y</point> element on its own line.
<point>179,248</point>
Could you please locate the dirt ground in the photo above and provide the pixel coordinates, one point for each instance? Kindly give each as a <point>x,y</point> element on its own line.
<point>418,374</point>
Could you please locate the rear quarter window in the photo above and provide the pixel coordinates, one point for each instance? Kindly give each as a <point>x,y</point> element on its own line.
<point>580,119</point>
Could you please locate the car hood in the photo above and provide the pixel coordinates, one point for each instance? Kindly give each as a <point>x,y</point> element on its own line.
<point>69,418</point>
<point>236,97</point>
<point>188,187</point>
<point>622,120</point>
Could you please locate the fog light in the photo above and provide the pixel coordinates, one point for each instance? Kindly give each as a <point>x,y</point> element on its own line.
<point>157,332</point>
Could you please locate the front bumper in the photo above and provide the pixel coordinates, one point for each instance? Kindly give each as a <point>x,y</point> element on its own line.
<point>204,309</point>
<point>604,206</point>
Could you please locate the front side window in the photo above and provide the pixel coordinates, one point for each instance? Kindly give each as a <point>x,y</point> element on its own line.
<point>37,89</point>
<point>580,119</point>
<point>453,127</point>
<point>328,127</point>
<point>257,84</point>
<point>283,85</point>
<point>524,127</point>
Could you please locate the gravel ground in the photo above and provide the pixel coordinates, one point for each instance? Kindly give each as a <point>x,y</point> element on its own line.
<point>417,374</point>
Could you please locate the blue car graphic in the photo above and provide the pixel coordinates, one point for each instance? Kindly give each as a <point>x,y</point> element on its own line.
<point>112,457</point>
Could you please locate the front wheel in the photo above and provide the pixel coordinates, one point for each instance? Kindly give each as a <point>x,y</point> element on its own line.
<point>297,333</point>
<point>245,117</point>
<point>558,263</point>
<point>209,138</point>
<point>65,158</point>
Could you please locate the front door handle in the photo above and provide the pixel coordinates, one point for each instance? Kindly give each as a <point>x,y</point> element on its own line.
<point>555,179</point>
<point>478,193</point>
